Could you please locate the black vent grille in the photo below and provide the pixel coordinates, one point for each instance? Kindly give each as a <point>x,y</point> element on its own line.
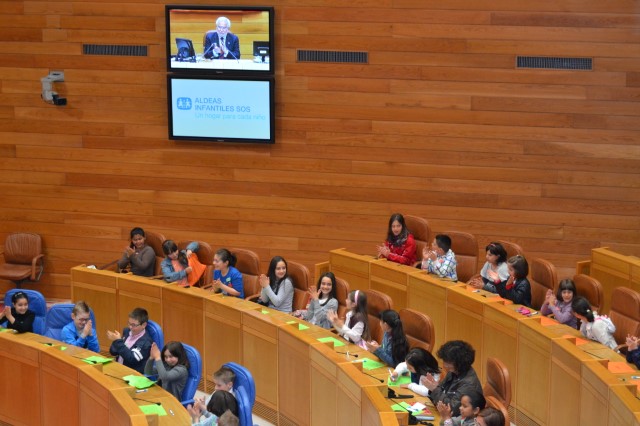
<point>113,50</point>
<point>547,63</point>
<point>333,56</point>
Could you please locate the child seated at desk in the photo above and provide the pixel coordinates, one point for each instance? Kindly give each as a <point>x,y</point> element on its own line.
<point>440,260</point>
<point>419,362</point>
<point>134,346</point>
<point>470,405</point>
<point>226,278</point>
<point>633,352</point>
<point>394,346</point>
<point>489,416</point>
<point>355,327</point>
<point>79,332</point>
<point>595,327</point>
<point>223,379</point>
<point>220,402</point>
<point>560,304</point>
<point>177,265</point>
<point>517,287</point>
<point>400,246</point>
<point>171,366</point>
<point>277,288</point>
<point>324,299</point>
<point>138,255</point>
<point>18,317</point>
<point>494,271</point>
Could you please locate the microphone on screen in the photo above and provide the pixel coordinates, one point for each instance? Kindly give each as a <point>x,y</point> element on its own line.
<point>392,394</point>
<point>146,400</point>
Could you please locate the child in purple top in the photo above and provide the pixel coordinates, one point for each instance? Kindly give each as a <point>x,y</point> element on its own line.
<point>560,304</point>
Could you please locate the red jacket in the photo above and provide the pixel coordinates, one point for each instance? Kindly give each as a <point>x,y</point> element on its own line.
<point>404,254</point>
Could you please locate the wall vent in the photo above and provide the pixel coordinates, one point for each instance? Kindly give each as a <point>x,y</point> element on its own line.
<point>333,56</point>
<point>113,50</point>
<point>549,63</point>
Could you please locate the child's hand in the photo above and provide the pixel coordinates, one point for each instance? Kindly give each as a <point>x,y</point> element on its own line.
<point>194,412</point>
<point>264,281</point>
<point>393,376</point>
<point>87,330</point>
<point>383,251</point>
<point>188,269</point>
<point>493,276</point>
<point>444,410</point>
<point>333,318</point>
<point>8,314</point>
<point>129,251</point>
<point>155,352</point>
<point>313,293</point>
<point>372,346</point>
<point>632,342</point>
<point>477,283</point>
<point>216,285</point>
<point>113,335</point>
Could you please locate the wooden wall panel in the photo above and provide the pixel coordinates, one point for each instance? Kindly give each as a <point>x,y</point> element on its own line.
<point>438,124</point>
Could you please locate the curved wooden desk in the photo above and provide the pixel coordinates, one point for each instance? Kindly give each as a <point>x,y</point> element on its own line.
<point>43,384</point>
<point>301,381</point>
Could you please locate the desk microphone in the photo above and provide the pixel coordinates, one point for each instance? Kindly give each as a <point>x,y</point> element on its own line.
<point>146,400</point>
<point>392,394</point>
<point>347,354</point>
<point>373,377</point>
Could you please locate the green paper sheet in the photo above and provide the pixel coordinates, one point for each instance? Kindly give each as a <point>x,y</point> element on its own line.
<point>139,382</point>
<point>401,380</point>
<point>96,359</point>
<point>153,409</point>
<point>398,407</point>
<point>300,325</point>
<point>370,364</point>
<point>336,343</point>
<point>63,348</point>
<point>6,330</point>
<point>264,311</point>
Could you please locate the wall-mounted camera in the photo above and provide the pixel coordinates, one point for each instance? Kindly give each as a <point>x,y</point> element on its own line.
<point>48,94</point>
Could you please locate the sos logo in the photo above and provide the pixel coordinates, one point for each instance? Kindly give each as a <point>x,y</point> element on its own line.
<point>184,103</point>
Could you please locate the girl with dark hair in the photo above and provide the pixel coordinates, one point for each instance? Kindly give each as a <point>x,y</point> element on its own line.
<point>560,304</point>
<point>517,288</point>
<point>18,317</point>
<point>277,288</point>
<point>419,362</point>
<point>220,402</point>
<point>138,255</point>
<point>175,266</point>
<point>355,328</point>
<point>494,271</point>
<point>595,327</point>
<point>226,278</point>
<point>324,299</point>
<point>394,346</point>
<point>400,246</point>
<point>470,406</point>
<point>461,379</point>
<point>172,371</point>
<point>490,417</point>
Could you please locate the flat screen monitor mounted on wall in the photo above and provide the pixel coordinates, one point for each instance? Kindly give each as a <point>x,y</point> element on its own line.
<point>220,39</point>
<point>221,109</point>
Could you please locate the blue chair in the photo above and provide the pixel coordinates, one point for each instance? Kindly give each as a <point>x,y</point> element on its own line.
<point>60,315</point>
<point>37,304</point>
<point>155,331</point>
<point>195,374</point>
<point>244,389</point>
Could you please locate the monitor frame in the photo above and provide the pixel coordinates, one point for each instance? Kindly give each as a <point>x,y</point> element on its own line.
<point>270,80</point>
<point>178,25</point>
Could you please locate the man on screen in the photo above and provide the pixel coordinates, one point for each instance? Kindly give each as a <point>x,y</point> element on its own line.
<point>221,44</point>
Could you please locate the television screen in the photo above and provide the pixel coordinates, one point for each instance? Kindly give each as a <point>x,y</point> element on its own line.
<point>224,39</point>
<point>221,109</point>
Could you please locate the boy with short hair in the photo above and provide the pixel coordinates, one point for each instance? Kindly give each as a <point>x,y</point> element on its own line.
<point>134,346</point>
<point>440,260</point>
